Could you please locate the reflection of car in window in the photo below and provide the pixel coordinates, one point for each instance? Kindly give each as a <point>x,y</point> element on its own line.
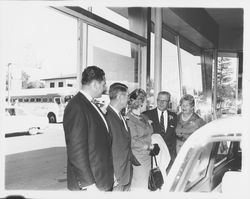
<point>206,156</point>
<point>17,120</point>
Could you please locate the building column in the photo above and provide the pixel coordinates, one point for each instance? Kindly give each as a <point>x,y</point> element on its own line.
<point>177,38</point>
<point>82,45</point>
<point>138,24</point>
<point>158,52</point>
<point>214,98</point>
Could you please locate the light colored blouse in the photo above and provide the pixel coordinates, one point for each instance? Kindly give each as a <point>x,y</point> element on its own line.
<point>141,131</point>
<point>185,128</point>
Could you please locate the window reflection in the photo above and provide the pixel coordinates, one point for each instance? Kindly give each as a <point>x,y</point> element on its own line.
<point>114,56</point>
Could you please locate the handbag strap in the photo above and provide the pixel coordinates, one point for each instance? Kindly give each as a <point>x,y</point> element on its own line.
<point>152,161</point>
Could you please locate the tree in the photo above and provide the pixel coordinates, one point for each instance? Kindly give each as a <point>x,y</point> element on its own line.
<point>150,87</point>
<point>225,86</point>
<point>224,72</point>
<point>25,78</point>
<point>35,84</point>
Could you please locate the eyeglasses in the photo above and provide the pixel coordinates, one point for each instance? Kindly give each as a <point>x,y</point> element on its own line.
<point>162,101</point>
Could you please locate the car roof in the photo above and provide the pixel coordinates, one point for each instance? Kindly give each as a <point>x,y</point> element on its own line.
<point>226,127</point>
<point>231,128</point>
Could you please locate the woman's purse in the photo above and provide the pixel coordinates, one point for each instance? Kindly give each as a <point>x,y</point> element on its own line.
<point>155,179</point>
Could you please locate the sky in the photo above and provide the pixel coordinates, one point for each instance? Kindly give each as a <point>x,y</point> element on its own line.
<point>45,44</point>
<point>42,45</point>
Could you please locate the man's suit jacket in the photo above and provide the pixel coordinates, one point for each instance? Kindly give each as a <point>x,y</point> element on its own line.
<point>169,135</point>
<point>88,146</point>
<point>121,148</point>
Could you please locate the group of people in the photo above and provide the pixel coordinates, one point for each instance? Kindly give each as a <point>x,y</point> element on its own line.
<point>112,151</point>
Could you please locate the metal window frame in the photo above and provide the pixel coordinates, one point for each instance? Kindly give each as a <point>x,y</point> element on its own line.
<point>85,18</point>
<point>103,24</point>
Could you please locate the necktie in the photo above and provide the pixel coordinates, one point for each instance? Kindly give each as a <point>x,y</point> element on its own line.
<point>162,123</point>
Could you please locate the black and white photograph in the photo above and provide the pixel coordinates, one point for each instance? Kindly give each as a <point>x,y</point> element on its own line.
<point>140,98</point>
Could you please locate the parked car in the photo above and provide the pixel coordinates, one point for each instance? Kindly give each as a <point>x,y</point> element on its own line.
<point>18,120</point>
<point>209,153</point>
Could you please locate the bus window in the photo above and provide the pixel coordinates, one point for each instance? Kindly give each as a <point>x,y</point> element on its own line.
<point>57,100</point>
<point>45,99</point>
<point>38,99</point>
<point>32,99</point>
<point>50,100</point>
<point>26,99</point>
<point>20,99</point>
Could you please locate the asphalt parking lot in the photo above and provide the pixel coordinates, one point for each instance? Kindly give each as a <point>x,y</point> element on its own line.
<point>36,162</point>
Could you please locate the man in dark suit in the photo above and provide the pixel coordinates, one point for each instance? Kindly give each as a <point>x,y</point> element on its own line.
<point>121,138</point>
<point>88,142</point>
<point>164,122</point>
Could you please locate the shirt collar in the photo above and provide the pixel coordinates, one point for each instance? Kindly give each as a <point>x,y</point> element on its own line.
<point>114,109</point>
<point>86,95</point>
<point>159,111</point>
<point>165,113</point>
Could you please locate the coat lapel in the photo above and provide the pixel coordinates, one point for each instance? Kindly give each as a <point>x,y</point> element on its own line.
<point>117,118</point>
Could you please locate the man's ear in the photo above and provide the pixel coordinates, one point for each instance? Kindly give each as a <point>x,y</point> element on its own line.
<point>94,84</point>
<point>118,96</point>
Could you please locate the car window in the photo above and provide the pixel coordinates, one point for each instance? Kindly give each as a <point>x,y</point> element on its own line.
<point>228,150</point>
<point>199,166</point>
<point>222,152</point>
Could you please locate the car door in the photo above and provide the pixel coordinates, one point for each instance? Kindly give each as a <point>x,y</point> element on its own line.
<point>226,158</point>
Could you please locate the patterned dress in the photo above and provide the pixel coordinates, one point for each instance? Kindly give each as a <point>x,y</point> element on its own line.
<point>141,132</point>
<point>185,128</point>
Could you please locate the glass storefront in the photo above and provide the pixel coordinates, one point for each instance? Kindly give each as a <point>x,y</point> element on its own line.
<point>114,56</point>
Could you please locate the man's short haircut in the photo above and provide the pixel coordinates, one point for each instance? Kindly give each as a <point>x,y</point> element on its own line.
<point>164,93</point>
<point>92,73</point>
<point>115,88</point>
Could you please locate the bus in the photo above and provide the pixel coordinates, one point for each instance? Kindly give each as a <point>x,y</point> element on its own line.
<point>47,102</point>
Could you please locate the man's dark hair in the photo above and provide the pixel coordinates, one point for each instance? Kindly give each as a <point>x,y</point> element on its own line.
<point>115,88</point>
<point>92,73</point>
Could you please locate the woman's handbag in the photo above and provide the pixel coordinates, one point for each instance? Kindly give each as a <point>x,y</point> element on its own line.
<point>155,179</point>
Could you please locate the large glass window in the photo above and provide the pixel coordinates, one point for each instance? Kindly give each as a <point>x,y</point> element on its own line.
<point>193,81</point>
<point>228,101</point>
<point>191,73</point>
<point>170,72</point>
<point>38,42</point>
<point>116,56</point>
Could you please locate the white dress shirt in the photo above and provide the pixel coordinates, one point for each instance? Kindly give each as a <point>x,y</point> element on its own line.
<point>120,116</point>
<point>165,115</point>
<point>90,99</point>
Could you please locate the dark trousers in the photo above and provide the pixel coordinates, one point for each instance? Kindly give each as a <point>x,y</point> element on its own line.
<point>126,187</point>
